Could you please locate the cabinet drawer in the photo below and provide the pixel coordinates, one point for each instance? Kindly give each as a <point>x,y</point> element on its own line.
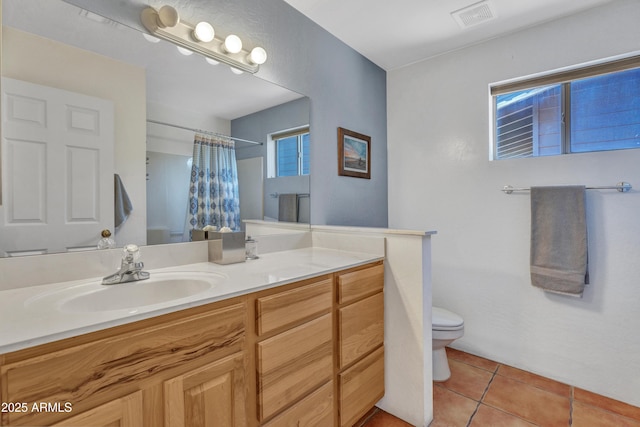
<point>361,328</point>
<point>361,386</point>
<point>86,374</point>
<point>292,364</point>
<point>357,284</point>
<point>315,410</point>
<point>288,307</point>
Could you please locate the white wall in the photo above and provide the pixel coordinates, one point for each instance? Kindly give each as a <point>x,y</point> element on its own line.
<point>441,178</point>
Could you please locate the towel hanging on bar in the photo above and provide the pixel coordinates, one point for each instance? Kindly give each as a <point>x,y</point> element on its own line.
<point>288,207</point>
<point>559,239</point>
<point>122,203</point>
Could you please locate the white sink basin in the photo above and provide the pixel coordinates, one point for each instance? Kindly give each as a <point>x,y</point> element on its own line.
<point>161,288</point>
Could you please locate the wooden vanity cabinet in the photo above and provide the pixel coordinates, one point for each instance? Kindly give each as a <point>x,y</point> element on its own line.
<point>319,349</point>
<point>134,368</point>
<point>360,310</point>
<point>294,345</point>
<point>308,353</point>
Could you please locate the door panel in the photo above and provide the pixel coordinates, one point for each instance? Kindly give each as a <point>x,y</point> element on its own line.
<point>58,169</point>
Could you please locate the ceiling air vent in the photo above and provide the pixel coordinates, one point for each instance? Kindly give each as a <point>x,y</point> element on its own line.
<point>475,14</point>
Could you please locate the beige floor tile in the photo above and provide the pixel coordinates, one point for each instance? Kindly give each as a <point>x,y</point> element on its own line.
<point>384,419</point>
<point>591,416</point>
<point>528,402</point>
<point>451,409</point>
<point>470,359</point>
<point>535,380</point>
<point>612,405</point>
<point>467,380</point>
<point>486,416</point>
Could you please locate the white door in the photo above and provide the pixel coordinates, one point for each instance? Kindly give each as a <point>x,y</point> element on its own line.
<point>57,168</point>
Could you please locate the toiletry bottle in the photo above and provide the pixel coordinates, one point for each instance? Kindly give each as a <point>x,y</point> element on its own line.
<point>106,242</point>
<point>251,248</point>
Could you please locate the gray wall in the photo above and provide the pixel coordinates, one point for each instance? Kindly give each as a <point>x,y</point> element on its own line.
<point>346,90</point>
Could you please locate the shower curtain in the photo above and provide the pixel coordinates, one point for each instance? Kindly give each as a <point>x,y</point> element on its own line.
<point>213,190</point>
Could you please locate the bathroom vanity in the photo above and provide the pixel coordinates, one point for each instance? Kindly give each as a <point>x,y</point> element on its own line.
<point>291,351</point>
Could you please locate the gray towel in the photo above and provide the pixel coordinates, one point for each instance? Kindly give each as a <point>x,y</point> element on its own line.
<point>122,204</point>
<point>288,207</point>
<point>559,239</point>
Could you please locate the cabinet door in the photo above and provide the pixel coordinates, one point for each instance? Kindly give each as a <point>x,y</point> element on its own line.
<point>361,386</point>
<point>360,283</point>
<point>361,328</point>
<point>293,363</point>
<point>123,412</point>
<point>210,396</point>
<point>315,410</point>
<point>288,307</point>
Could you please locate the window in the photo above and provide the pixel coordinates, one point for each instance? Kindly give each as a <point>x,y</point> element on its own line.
<point>291,153</point>
<point>593,108</point>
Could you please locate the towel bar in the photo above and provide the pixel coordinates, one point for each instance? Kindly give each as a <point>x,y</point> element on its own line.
<point>622,187</point>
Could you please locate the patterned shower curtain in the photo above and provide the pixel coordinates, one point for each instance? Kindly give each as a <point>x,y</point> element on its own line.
<point>213,191</point>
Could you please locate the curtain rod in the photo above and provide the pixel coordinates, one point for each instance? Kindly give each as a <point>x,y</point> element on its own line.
<point>622,187</point>
<point>202,131</point>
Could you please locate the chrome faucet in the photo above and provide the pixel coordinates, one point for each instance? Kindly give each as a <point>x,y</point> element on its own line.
<point>130,269</point>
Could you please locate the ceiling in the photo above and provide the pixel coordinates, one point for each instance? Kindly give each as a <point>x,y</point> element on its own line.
<point>390,34</point>
<point>396,33</point>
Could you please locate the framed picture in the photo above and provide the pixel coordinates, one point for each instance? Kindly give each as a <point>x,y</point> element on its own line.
<point>354,154</point>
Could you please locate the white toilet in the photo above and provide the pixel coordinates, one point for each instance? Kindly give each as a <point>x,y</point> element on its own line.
<point>447,327</point>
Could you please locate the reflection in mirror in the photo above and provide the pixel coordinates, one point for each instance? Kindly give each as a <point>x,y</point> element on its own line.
<point>128,106</point>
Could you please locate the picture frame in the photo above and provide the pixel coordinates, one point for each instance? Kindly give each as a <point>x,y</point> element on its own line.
<point>354,154</point>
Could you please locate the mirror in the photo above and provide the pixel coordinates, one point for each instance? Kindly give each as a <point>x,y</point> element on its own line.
<point>156,98</point>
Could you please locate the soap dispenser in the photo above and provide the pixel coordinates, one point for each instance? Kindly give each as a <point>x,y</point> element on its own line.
<point>251,248</point>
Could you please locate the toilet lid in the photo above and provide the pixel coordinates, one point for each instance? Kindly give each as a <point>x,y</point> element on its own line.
<point>444,319</point>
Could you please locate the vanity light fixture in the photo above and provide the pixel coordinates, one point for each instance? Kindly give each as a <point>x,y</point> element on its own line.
<point>165,23</point>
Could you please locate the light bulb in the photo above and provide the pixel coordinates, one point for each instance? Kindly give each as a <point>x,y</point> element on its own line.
<point>150,38</point>
<point>257,56</point>
<point>203,32</point>
<point>185,52</point>
<point>235,70</point>
<point>167,17</point>
<point>232,44</point>
<point>211,61</point>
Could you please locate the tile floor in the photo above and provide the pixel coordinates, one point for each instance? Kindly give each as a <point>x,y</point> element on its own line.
<point>483,393</point>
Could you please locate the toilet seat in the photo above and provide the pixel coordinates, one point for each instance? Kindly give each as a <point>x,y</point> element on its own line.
<point>444,320</point>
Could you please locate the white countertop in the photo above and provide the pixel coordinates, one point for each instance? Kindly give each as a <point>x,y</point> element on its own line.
<point>34,315</point>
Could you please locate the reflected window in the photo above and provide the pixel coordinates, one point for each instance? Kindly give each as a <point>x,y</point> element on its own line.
<point>291,153</point>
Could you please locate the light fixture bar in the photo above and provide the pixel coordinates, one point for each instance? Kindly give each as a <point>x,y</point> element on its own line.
<point>181,34</point>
